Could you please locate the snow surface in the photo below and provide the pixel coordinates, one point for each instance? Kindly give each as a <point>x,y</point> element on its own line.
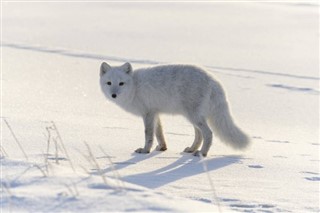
<point>265,54</point>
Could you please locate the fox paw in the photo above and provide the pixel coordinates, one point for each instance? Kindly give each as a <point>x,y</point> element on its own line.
<point>161,148</point>
<point>142,150</point>
<point>199,154</point>
<point>188,150</point>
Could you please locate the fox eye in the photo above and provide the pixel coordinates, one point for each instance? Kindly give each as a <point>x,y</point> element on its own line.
<point>109,82</point>
<point>121,83</point>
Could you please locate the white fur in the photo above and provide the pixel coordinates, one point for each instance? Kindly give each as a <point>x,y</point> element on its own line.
<point>178,89</point>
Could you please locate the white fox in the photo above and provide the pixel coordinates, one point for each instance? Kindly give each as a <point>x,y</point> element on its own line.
<point>177,89</point>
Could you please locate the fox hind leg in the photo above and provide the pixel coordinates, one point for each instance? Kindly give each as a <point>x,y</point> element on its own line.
<point>196,143</point>
<point>207,137</point>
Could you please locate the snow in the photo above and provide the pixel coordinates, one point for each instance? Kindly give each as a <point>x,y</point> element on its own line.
<point>265,54</point>
<point>67,191</point>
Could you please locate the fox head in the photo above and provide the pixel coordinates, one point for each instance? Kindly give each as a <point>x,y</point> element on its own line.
<point>117,82</point>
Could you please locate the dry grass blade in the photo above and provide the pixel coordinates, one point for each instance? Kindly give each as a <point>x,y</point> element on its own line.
<point>16,139</point>
<point>73,191</point>
<point>3,151</point>
<point>41,170</point>
<point>56,150</point>
<point>62,144</point>
<point>48,145</point>
<point>95,163</point>
<point>115,172</point>
<point>5,187</point>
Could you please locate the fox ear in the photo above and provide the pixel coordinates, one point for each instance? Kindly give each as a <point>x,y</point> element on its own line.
<point>127,68</point>
<point>104,68</point>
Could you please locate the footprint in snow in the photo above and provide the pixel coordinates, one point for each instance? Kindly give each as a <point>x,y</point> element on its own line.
<point>310,173</point>
<point>255,166</point>
<point>257,137</point>
<point>278,141</point>
<point>295,89</point>
<point>242,206</point>
<point>98,186</point>
<point>305,155</point>
<point>279,156</point>
<point>313,178</point>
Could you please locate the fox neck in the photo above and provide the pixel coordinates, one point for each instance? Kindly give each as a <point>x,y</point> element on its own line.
<point>129,103</point>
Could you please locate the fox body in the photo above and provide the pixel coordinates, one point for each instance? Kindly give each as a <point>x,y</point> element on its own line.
<point>177,89</point>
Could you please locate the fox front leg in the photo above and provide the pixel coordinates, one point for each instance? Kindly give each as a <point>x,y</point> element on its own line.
<point>162,146</point>
<point>149,121</point>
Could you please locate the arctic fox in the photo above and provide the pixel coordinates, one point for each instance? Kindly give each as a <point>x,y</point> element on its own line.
<point>177,89</point>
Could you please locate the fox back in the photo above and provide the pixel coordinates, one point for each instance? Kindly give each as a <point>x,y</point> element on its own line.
<point>166,88</point>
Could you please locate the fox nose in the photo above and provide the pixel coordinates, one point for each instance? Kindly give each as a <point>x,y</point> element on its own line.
<point>113,95</point>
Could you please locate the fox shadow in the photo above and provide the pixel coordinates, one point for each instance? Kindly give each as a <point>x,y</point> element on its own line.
<point>136,158</point>
<point>185,166</point>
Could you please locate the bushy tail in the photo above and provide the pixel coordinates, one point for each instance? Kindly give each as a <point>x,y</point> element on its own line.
<point>222,122</point>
